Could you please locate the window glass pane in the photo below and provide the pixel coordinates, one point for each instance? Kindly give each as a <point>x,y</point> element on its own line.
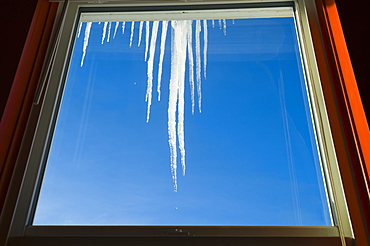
<point>251,155</point>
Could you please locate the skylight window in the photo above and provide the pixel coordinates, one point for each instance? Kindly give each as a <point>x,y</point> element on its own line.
<point>234,112</point>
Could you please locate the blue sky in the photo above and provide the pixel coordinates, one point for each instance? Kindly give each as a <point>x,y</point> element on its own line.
<point>251,155</point>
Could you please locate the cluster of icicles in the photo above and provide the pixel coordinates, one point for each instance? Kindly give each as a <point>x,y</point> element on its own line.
<point>181,50</point>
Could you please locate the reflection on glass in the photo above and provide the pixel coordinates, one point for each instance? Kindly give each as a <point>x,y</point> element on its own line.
<point>251,155</point>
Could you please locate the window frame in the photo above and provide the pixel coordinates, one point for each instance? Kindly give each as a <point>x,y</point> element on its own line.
<point>19,231</point>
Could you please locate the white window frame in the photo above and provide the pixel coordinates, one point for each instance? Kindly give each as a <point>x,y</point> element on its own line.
<point>21,233</point>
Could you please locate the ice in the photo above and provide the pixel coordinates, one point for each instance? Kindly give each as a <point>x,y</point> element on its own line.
<point>86,41</point>
<point>161,56</point>
<point>205,47</point>
<point>104,32</point>
<point>132,32</point>
<point>181,94</point>
<point>147,33</point>
<point>172,102</point>
<point>198,63</point>
<point>150,62</point>
<point>123,27</point>
<point>140,32</point>
<point>181,49</point>
<point>109,28</point>
<point>79,29</point>
<point>191,65</point>
<point>213,23</point>
<point>115,29</point>
<point>176,94</point>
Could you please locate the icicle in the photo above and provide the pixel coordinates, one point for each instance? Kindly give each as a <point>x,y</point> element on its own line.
<point>191,65</point>
<point>205,47</point>
<point>115,29</point>
<point>132,32</point>
<point>220,23</point>
<point>198,63</point>
<point>224,21</point>
<point>79,29</point>
<point>140,32</point>
<point>104,32</point>
<point>86,41</point>
<point>178,60</point>
<point>181,96</point>
<point>109,28</point>
<point>147,33</point>
<point>161,56</point>
<point>153,42</point>
<point>172,103</point>
<point>213,23</point>
<point>123,27</point>
<point>233,21</point>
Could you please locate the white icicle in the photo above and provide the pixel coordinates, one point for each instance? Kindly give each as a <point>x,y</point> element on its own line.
<point>147,33</point>
<point>161,56</point>
<point>224,21</point>
<point>150,62</point>
<point>213,23</point>
<point>123,27</point>
<point>79,29</point>
<point>115,29</point>
<point>140,32</point>
<point>220,23</point>
<point>181,100</point>
<point>178,59</point>
<point>132,32</point>
<point>205,47</point>
<point>109,28</point>
<point>191,65</point>
<point>104,32</point>
<point>86,41</point>
<point>172,103</point>
<point>198,63</point>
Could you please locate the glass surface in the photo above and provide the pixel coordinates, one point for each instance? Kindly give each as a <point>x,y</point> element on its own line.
<point>251,154</point>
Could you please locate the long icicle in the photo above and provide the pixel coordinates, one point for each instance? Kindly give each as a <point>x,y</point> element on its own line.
<point>140,32</point>
<point>132,32</point>
<point>115,29</point>
<point>198,63</point>
<point>172,103</point>
<point>104,32</point>
<point>161,56</point>
<point>109,28</point>
<point>150,62</point>
<point>86,41</point>
<point>191,65</point>
<point>205,47</point>
<point>147,33</point>
<point>181,94</point>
